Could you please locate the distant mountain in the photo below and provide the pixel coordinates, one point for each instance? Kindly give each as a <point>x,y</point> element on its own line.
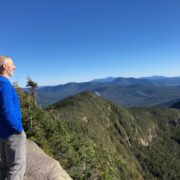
<point>176,105</point>
<point>166,81</point>
<point>104,80</point>
<point>168,103</point>
<point>158,80</point>
<point>140,95</point>
<point>51,94</point>
<point>131,81</point>
<point>154,77</point>
<point>158,91</point>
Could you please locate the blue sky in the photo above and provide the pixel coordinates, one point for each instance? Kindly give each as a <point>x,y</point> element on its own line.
<point>61,41</point>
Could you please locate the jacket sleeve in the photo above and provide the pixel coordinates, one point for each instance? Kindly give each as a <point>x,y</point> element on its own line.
<point>8,109</point>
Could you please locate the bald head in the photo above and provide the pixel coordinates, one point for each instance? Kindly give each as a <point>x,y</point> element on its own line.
<point>7,66</point>
<point>4,59</point>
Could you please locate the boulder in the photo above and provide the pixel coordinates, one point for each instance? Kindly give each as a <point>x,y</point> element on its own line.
<point>40,166</point>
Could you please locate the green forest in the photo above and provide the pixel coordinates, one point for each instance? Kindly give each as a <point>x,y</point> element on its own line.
<point>93,138</point>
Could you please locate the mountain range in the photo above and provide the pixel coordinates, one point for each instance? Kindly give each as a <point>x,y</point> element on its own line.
<point>128,92</point>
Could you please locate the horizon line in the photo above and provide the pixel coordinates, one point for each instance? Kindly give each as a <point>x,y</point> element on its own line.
<point>106,78</point>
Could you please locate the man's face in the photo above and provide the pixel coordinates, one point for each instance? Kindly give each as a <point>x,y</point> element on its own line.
<point>9,68</point>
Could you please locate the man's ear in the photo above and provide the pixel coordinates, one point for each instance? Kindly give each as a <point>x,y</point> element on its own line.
<point>4,66</point>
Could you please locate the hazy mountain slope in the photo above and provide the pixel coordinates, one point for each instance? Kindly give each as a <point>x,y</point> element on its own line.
<point>176,105</point>
<point>166,81</point>
<point>140,95</point>
<point>52,94</point>
<point>124,91</point>
<point>131,81</point>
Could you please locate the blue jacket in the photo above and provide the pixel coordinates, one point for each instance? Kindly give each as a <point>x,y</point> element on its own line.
<point>10,113</point>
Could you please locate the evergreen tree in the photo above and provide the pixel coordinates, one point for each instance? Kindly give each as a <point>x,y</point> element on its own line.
<point>33,88</point>
<point>32,95</point>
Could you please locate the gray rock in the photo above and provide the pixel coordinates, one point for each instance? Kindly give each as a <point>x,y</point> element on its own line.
<point>40,166</point>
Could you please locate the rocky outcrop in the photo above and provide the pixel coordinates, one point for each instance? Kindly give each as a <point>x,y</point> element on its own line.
<point>42,167</point>
<point>151,133</point>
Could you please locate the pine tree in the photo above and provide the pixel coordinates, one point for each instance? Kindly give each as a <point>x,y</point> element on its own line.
<point>32,94</point>
<point>33,89</point>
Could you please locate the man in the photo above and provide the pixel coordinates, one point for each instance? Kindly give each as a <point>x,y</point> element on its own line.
<point>12,136</point>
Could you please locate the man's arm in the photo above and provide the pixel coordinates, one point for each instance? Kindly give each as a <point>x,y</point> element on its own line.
<point>8,109</point>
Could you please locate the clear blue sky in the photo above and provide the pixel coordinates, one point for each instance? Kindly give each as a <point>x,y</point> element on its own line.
<point>59,41</point>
